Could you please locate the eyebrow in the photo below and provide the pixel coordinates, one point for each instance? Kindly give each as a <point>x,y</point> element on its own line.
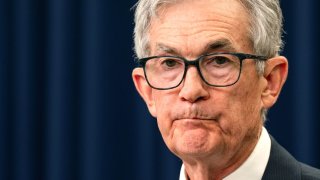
<point>167,49</point>
<point>220,44</point>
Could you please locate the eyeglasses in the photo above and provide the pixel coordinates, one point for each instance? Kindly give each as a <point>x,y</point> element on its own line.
<point>216,69</point>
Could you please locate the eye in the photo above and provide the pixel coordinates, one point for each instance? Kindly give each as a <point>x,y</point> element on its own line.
<point>218,61</point>
<point>170,62</point>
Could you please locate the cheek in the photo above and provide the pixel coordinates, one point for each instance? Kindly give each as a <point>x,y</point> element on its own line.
<point>162,103</point>
<point>239,122</point>
<point>247,92</point>
<point>242,110</point>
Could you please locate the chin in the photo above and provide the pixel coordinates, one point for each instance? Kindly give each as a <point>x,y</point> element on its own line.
<point>197,142</point>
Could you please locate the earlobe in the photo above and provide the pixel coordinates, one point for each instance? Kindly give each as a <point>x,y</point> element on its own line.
<point>276,72</point>
<point>144,89</point>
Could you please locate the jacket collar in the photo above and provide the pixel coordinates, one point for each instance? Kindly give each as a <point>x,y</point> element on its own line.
<point>281,164</point>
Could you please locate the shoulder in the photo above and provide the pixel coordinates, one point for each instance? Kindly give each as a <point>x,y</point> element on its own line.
<point>309,173</point>
<point>282,165</point>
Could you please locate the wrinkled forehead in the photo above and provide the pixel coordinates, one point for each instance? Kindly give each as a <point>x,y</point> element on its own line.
<point>203,21</point>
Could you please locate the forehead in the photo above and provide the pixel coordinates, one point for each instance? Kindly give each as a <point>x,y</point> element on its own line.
<point>194,25</point>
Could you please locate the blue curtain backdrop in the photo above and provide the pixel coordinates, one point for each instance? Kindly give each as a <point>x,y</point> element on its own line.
<point>68,107</point>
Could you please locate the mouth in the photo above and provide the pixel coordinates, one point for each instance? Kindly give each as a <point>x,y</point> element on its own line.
<point>195,114</point>
<point>196,119</point>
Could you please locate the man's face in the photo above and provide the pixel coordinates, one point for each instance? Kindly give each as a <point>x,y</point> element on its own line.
<point>197,120</point>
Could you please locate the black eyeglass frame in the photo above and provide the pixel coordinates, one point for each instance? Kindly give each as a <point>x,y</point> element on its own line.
<point>241,56</point>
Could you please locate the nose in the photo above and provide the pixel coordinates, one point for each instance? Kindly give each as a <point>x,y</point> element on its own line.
<point>193,88</point>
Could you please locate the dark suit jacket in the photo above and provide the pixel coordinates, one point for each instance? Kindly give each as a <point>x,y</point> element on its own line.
<point>282,166</point>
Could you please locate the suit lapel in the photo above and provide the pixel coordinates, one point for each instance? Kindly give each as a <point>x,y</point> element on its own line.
<point>281,164</point>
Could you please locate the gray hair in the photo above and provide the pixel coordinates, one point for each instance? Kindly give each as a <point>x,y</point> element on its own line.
<point>265,30</point>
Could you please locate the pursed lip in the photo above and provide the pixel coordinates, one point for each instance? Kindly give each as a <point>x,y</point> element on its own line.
<point>196,119</point>
<point>195,114</point>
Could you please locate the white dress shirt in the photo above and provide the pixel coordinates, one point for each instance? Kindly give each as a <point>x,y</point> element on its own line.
<point>254,167</point>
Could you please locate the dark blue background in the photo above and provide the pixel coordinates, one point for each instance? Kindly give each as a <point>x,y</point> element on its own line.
<point>68,107</point>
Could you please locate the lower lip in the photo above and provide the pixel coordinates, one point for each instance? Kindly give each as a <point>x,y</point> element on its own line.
<point>193,122</point>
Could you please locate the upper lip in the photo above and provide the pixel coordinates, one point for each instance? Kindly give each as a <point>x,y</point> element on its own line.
<point>195,112</point>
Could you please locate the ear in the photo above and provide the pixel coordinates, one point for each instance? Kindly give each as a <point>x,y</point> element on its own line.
<point>276,72</point>
<point>144,89</point>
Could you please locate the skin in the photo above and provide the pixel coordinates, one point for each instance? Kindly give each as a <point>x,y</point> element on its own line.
<point>213,130</point>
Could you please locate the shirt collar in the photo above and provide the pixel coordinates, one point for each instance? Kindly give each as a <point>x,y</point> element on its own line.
<point>254,167</point>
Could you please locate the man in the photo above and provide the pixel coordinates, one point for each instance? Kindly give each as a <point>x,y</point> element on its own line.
<point>209,71</point>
